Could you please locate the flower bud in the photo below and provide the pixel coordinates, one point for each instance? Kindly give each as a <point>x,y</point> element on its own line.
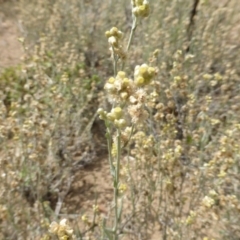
<point>111,80</point>
<point>112,41</point>
<point>114,31</point>
<point>120,123</point>
<point>107,34</point>
<point>139,81</point>
<point>117,112</point>
<point>121,74</point>
<point>111,116</point>
<point>124,95</point>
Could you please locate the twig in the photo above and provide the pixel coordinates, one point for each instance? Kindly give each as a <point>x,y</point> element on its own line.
<point>191,24</point>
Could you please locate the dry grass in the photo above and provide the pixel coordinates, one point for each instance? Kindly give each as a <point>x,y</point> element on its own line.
<point>179,167</point>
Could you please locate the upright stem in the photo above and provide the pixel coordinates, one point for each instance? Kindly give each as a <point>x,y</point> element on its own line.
<point>115,60</point>
<point>116,184</point>
<point>134,26</point>
<point>118,153</point>
<point>116,170</point>
<point>109,143</point>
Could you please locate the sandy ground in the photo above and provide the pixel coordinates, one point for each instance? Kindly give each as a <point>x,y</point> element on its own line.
<point>10,48</point>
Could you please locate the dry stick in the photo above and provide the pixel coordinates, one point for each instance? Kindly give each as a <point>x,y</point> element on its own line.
<point>190,28</point>
<point>62,196</point>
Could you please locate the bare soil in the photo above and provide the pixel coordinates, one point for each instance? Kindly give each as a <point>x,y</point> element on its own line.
<point>10,48</point>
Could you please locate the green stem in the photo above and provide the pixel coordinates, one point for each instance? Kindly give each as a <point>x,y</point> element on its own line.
<point>134,26</point>
<point>115,60</point>
<point>116,184</point>
<point>109,144</point>
<point>118,153</point>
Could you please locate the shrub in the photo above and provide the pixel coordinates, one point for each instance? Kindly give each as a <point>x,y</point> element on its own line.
<point>172,121</point>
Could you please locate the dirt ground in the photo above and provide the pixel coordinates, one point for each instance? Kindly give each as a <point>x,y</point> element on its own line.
<point>10,48</point>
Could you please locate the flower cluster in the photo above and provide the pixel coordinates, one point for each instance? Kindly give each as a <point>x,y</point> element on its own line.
<point>136,108</point>
<point>143,75</point>
<point>115,116</point>
<point>62,230</point>
<point>140,8</point>
<point>120,88</point>
<point>114,36</point>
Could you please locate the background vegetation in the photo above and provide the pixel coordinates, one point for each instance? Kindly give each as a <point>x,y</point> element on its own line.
<point>180,170</point>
